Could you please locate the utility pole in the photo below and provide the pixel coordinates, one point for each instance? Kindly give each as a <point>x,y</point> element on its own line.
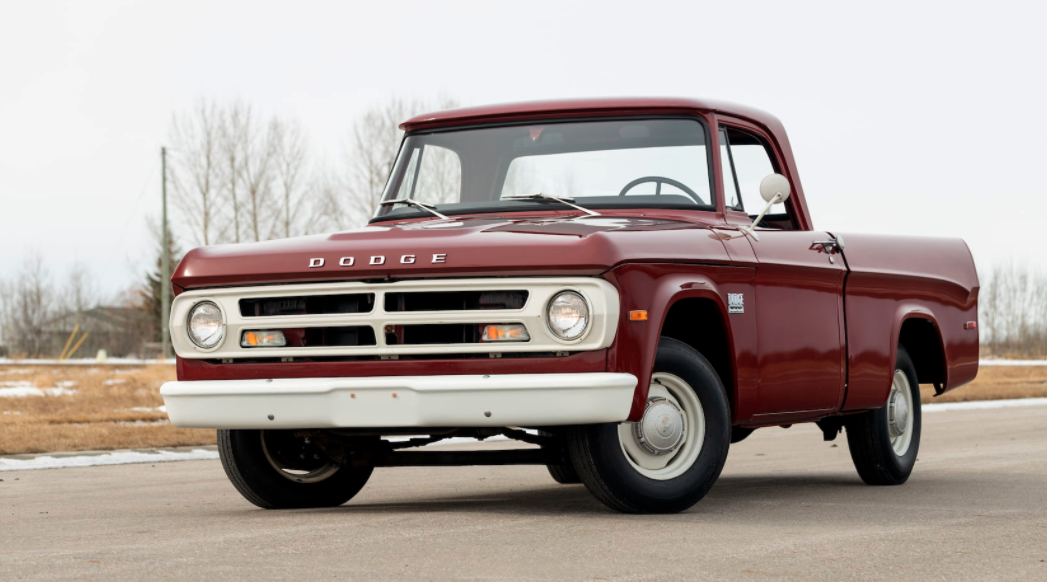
<point>165,265</point>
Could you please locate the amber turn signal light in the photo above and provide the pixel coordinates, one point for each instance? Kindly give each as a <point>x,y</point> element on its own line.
<point>506,332</point>
<point>263,339</point>
<point>637,316</point>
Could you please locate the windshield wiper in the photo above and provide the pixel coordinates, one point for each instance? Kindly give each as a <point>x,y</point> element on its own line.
<point>411,202</point>
<point>541,196</point>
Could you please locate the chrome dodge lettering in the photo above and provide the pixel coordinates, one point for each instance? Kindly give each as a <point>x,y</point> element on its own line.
<point>377,260</point>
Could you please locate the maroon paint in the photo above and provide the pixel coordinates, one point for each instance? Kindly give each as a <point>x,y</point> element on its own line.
<point>799,305</point>
<point>892,279</point>
<point>480,246</point>
<point>581,362</point>
<point>794,304</point>
<point>656,288</point>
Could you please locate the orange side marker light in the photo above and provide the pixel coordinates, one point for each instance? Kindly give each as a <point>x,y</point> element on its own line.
<point>637,316</point>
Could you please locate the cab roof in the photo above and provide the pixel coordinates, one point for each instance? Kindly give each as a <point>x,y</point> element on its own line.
<point>570,108</point>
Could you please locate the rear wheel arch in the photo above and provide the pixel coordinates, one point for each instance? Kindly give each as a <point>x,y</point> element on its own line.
<point>701,323</point>
<point>922,339</point>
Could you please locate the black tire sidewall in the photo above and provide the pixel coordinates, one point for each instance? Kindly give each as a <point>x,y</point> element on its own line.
<point>260,483</point>
<point>643,494</point>
<point>901,467</point>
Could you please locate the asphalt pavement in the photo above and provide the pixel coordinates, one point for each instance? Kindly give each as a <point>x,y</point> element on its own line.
<point>788,506</point>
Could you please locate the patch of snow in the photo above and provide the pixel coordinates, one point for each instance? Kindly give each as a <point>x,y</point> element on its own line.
<point>25,388</point>
<point>983,404</point>
<point>86,362</point>
<point>113,381</point>
<point>12,412</point>
<point>143,409</point>
<point>1012,362</point>
<point>114,458</point>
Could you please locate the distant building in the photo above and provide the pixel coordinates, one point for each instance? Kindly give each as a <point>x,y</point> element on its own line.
<point>120,331</point>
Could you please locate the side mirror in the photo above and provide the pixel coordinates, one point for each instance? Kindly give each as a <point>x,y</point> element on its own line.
<point>774,189</point>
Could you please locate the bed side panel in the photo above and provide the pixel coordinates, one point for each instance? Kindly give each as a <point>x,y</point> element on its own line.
<point>893,278</point>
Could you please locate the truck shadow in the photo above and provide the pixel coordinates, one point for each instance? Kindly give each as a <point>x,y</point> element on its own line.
<point>733,497</point>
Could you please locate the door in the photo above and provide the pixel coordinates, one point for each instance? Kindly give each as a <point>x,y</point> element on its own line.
<point>799,322</point>
<point>798,288</point>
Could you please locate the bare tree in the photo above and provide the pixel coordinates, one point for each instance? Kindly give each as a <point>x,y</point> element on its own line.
<point>1013,311</point>
<point>240,176</point>
<point>195,174</point>
<point>235,120</point>
<point>290,167</point>
<point>26,305</point>
<point>372,148</point>
<point>257,151</point>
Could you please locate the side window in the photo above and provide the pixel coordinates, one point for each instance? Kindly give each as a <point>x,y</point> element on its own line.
<point>730,184</point>
<point>751,160</point>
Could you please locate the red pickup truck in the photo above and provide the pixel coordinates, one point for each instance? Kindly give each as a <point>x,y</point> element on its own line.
<point>632,285</point>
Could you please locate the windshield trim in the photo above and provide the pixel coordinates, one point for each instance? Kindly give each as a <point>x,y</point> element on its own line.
<point>502,207</point>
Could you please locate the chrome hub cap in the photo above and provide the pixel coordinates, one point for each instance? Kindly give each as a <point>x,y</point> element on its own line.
<point>667,440</point>
<point>661,429</point>
<point>900,414</point>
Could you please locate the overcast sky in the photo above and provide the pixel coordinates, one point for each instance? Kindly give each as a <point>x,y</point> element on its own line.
<point>905,118</point>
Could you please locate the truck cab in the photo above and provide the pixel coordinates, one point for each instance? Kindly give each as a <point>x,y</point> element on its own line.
<point>626,285</point>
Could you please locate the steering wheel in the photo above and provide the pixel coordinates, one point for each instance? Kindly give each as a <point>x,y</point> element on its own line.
<point>659,180</point>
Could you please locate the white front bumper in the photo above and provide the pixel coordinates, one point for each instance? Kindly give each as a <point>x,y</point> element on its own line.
<point>402,401</point>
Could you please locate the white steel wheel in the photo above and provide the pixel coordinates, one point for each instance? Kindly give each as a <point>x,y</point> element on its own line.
<point>301,465</point>
<point>666,442</point>
<point>900,414</point>
<point>884,442</point>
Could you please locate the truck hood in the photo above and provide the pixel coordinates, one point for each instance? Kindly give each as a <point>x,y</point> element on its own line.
<point>477,246</point>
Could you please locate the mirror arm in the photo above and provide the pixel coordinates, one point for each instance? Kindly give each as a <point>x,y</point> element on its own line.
<point>750,229</point>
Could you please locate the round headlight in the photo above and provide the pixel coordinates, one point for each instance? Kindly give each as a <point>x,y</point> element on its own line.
<point>568,315</point>
<point>206,328</point>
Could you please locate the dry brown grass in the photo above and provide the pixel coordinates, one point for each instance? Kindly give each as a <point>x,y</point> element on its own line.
<point>90,419</point>
<point>93,417</point>
<point>996,383</point>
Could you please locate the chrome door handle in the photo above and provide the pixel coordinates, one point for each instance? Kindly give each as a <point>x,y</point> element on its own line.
<point>837,242</point>
<point>829,245</point>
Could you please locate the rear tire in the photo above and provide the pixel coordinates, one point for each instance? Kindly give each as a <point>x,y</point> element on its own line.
<point>667,462</point>
<point>884,442</point>
<point>276,470</point>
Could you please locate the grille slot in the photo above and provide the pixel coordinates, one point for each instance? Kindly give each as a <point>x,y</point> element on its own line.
<point>454,300</point>
<point>341,336</point>
<point>307,305</point>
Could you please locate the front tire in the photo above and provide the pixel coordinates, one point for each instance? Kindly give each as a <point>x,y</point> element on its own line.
<point>884,442</point>
<point>277,470</point>
<point>562,473</point>
<point>670,459</point>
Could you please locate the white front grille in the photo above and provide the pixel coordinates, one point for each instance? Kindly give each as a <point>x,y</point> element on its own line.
<point>601,296</point>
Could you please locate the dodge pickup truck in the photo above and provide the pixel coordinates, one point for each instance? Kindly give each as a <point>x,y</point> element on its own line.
<point>627,286</point>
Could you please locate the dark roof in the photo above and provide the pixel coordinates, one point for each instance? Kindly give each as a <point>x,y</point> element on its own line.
<point>567,108</point>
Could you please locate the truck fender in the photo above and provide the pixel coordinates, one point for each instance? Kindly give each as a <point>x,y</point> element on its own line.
<point>636,345</point>
<point>905,312</point>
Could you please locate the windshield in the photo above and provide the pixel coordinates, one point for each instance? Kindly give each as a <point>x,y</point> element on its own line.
<point>635,163</point>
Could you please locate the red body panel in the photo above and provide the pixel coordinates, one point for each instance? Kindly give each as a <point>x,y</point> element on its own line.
<point>815,337</point>
<point>479,246</point>
<point>656,288</point>
<point>894,278</point>
<point>799,323</point>
<point>575,363</point>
